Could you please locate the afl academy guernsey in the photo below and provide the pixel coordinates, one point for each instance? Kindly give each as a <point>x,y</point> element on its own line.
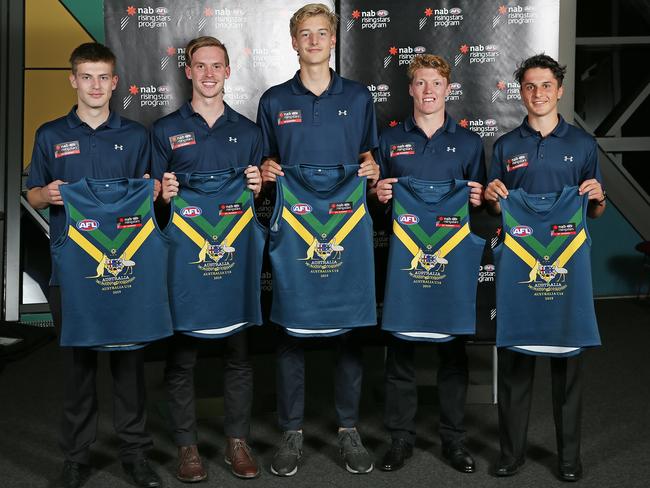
<point>321,251</point>
<point>433,261</point>
<point>111,261</point>
<point>216,254</point>
<point>544,290</point>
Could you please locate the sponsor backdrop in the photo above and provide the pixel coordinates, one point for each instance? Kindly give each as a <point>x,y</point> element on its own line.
<point>483,41</point>
<point>149,39</point>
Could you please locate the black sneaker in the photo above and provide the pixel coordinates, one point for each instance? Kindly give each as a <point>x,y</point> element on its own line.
<point>141,473</point>
<point>74,475</point>
<point>356,457</point>
<point>285,461</point>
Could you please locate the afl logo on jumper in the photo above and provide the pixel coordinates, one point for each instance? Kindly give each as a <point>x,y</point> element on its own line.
<point>521,231</point>
<point>191,212</point>
<point>408,219</point>
<point>87,225</point>
<point>301,208</point>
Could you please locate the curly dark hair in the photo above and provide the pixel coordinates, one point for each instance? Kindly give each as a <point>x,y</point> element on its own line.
<point>541,61</point>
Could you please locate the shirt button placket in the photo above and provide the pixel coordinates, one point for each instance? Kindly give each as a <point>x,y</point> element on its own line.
<point>316,112</point>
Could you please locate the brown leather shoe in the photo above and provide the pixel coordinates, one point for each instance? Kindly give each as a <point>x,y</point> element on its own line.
<point>190,467</point>
<point>240,458</point>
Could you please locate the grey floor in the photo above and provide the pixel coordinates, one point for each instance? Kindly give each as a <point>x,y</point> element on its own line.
<point>616,428</point>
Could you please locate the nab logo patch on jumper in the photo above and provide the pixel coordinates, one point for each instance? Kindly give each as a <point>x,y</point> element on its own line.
<point>87,225</point>
<point>408,219</point>
<point>230,209</point>
<point>340,208</point>
<point>66,149</point>
<point>191,212</point>
<point>563,229</point>
<point>301,208</point>
<point>516,162</point>
<point>129,221</point>
<point>181,140</point>
<point>403,149</point>
<point>521,231</point>
<point>290,117</point>
<point>448,221</point>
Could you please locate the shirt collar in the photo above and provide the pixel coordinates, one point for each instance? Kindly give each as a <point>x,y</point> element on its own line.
<point>114,121</point>
<point>187,111</point>
<point>560,129</point>
<point>335,86</point>
<point>448,126</point>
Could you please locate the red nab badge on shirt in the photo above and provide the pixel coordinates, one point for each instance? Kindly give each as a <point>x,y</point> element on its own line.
<point>290,117</point>
<point>182,140</point>
<point>403,149</point>
<point>66,149</point>
<point>129,221</point>
<point>516,162</point>
<point>448,221</point>
<point>563,229</point>
<point>230,209</point>
<point>340,208</point>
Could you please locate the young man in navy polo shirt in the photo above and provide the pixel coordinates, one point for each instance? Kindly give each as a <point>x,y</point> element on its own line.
<point>317,117</point>
<point>542,155</point>
<point>214,137</point>
<point>428,145</point>
<point>92,141</point>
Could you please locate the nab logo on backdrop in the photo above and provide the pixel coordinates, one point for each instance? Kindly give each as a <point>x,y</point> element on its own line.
<point>146,17</point>
<point>455,92</point>
<point>477,53</point>
<point>223,18</point>
<point>380,92</point>
<point>149,96</point>
<point>404,54</point>
<point>442,17</point>
<point>483,127</point>
<point>506,91</point>
<point>514,14</point>
<point>369,19</point>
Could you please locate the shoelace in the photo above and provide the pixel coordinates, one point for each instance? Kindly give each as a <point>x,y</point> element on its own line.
<point>292,441</point>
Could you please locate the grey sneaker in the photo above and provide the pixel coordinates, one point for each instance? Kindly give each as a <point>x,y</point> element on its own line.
<point>285,460</point>
<point>356,457</point>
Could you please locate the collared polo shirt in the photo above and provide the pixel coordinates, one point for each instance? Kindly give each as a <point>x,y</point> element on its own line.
<point>522,158</point>
<point>68,149</point>
<point>332,128</point>
<point>452,152</point>
<point>183,142</point>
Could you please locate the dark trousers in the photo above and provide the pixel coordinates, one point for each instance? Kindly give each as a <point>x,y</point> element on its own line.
<point>290,381</point>
<point>402,395</point>
<point>79,422</point>
<point>238,387</point>
<point>515,388</point>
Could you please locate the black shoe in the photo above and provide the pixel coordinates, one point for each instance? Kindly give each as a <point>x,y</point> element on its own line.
<point>400,450</point>
<point>508,468</point>
<point>286,458</point>
<point>355,456</point>
<point>141,473</point>
<point>459,458</point>
<point>570,472</point>
<point>74,474</point>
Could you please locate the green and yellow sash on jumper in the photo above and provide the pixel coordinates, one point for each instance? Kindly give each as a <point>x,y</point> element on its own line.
<point>322,230</point>
<point>424,251</point>
<point>541,258</point>
<point>106,251</point>
<point>202,232</point>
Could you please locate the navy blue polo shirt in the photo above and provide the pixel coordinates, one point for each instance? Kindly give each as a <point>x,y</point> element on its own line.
<point>452,152</point>
<point>522,158</point>
<point>68,149</point>
<point>183,142</point>
<point>332,128</point>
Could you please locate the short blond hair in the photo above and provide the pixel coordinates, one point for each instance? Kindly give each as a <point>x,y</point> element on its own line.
<point>312,10</point>
<point>204,41</point>
<point>429,61</point>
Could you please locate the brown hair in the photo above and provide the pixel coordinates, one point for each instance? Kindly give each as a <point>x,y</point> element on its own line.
<point>429,61</point>
<point>312,10</point>
<point>91,52</point>
<point>203,41</point>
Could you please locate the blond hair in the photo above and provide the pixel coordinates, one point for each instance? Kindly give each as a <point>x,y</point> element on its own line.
<point>429,61</point>
<point>312,10</point>
<point>204,41</point>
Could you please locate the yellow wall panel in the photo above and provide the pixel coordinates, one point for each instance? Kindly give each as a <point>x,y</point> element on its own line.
<point>48,95</point>
<point>51,34</point>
